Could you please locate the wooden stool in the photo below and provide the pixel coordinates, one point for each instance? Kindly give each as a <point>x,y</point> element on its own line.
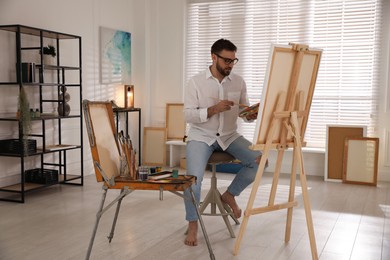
<point>213,196</point>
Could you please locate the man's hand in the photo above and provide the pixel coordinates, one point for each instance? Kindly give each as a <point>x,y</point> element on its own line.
<point>222,106</point>
<point>252,116</point>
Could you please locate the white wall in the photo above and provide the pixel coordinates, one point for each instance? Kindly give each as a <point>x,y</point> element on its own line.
<point>157,47</point>
<point>83,18</point>
<point>157,29</point>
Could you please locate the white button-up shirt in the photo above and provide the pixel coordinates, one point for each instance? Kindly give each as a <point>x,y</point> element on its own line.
<point>203,91</point>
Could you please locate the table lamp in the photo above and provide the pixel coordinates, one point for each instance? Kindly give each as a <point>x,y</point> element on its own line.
<point>129,96</point>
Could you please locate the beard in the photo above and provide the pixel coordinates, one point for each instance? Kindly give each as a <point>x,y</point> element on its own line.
<point>223,72</point>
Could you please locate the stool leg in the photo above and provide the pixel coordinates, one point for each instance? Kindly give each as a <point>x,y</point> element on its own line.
<point>230,212</point>
<point>213,198</point>
<point>207,200</point>
<point>224,214</point>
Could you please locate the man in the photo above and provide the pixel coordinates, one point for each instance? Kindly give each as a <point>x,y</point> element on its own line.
<point>211,107</point>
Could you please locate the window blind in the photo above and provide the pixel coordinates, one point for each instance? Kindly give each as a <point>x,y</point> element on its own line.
<point>347,31</point>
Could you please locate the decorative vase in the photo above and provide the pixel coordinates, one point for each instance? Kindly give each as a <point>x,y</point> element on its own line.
<point>61,110</point>
<point>49,60</point>
<point>63,107</point>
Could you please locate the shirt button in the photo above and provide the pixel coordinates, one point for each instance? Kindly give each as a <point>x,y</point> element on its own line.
<point>217,134</point>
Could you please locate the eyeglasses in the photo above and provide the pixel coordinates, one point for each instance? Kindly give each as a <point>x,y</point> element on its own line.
<point>226,60</point>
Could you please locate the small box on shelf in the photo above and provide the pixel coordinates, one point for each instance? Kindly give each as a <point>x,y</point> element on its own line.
<point>41,176</point>
<point>15,146</point>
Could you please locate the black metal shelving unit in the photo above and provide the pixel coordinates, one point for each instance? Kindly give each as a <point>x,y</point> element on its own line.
<point>53,153</point>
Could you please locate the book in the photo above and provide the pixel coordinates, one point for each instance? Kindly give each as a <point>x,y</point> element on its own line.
<point>254,109</point>
<point>159,175</point>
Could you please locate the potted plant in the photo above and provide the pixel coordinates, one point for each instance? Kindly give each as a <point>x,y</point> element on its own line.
<point>48,51</point>
<point>24,117</point>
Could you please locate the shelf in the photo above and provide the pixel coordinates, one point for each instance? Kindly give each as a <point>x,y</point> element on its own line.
<point>58,147</point>
<point>48,128</point>
<point>37,32</point>
<point>46,117</point>
<point>12,117</point>
<point>126,109</point>
<point>8,117</point>
<point>9,83</point>
<point>19,155</point>
<point>40,151</point>
<point>41,84</point>
<point>53,67</point>
<point>28,186</point>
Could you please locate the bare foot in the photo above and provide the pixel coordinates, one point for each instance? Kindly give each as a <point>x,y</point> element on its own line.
<point>192,234</point>
<point>231,201</point>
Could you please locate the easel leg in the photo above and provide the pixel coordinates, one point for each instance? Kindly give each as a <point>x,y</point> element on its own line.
<point>275,180</point>
<point>291,198</point>
<point>251,200</point>
<point>309,219</point>
<point>299,157</point>
<point>255,187</point>
<point>98,216</point>
<point>244,223</point>
<point>118,206</point>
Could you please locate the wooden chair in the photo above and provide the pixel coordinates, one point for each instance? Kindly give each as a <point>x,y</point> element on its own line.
<point>213,197</point>
<point>106,156</point>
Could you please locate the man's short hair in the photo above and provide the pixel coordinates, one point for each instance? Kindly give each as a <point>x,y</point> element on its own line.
<point>223,44</point>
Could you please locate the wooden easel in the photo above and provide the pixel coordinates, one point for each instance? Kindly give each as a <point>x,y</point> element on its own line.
<point>288,121</point>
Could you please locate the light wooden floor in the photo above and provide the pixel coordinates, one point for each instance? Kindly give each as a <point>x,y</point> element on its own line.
<point>350,222</point>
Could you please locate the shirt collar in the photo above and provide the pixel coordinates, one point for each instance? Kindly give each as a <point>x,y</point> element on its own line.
<point>209,75</point>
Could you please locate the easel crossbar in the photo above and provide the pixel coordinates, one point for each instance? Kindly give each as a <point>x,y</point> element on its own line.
<point>275,146</point>
<point>287,114</point>
<point>271,208</point>
<point>124,192</point>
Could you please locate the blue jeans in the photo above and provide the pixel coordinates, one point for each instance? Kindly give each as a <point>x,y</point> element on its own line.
<point>197,156</point>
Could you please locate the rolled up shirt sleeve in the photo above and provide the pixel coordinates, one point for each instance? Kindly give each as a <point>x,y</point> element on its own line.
<point>193,113</point>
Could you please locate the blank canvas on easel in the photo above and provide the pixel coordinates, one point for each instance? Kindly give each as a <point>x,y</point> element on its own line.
<point>101,133</point>
<point>279,74</point>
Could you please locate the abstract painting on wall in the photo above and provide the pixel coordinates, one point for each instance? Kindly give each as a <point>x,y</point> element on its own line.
<point>115,59</point>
